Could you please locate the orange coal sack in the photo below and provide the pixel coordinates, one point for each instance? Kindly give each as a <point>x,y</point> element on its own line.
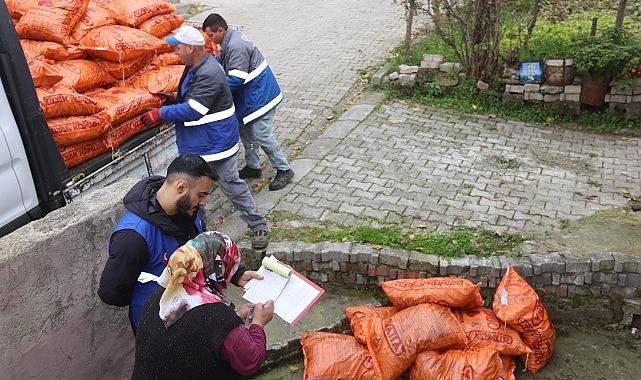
<point>122,103</point>
<point>70,130</point>
<point>121,132</point>
<point>358,315</point>
<point>509,365</point>
<point>51,20</point>
<point>119,43</point>
<point>517,304</point>
<point>469,363</point>
<point>50,50</point>
<point>124,69</point>
<point>94,16</point>
<point>452,292</point>
<point>159,79</point>
<point>83,74</point>
<point>166,59</point>
<point>57,101</point>
<point>76,154</point>
<point>42,73</point>
<point>161,25</point>
<point>18,8</point>
<point>134,13</point>
<point>395,341</point>
<point>336,357</point>
<point>483,329</point>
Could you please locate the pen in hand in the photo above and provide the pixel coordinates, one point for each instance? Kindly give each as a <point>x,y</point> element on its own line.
<point>248,320</point>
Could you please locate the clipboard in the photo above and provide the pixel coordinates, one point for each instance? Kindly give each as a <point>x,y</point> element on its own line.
<point>293,293</point>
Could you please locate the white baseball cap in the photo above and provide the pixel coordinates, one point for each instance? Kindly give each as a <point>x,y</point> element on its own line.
<point>187,35</point>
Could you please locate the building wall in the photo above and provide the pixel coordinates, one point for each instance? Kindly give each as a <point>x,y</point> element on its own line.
<point>53,324</point>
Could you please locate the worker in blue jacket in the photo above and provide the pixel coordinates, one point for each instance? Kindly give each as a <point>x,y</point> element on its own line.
<point>256,94</point>
<point>204,115</point>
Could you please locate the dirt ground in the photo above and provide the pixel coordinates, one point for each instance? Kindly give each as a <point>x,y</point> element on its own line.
<point>581,352</point>
<point>584,349</point>
<point>591,353</point>
<point>612,230</point>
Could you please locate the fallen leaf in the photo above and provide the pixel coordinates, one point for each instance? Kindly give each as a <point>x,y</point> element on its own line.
<point>378,247</point>
<point>330,117</point>
<point>591,197</point>
<point>422,226</point>
<point>475,107</point>
<point>394,121</point>
<point>293,368</point>
<point>416,109</point>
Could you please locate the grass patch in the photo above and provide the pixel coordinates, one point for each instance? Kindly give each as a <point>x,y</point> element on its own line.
<point>468,99</point>
<point>455,243</point>
<point>551,39</point>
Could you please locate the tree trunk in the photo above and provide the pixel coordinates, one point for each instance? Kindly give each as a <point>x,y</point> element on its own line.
<point>620,13</point>
<point>410,9</point>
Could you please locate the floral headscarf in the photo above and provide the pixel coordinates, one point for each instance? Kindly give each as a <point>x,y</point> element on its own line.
<point>197,273</point>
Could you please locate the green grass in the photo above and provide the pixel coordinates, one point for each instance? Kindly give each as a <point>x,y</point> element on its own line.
<point>466,98</point>
<point>551,39</point>
<point>456,243</point>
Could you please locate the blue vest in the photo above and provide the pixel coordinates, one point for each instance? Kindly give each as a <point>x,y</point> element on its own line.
<point>160,247</point>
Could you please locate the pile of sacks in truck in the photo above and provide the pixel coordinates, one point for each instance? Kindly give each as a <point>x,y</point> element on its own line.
<point>97,65</point>
<point>437,328</point>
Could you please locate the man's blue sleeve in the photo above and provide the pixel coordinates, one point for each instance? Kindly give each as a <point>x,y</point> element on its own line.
<point>180,112</point>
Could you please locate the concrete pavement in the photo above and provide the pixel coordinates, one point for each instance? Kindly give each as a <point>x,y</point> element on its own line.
<point>361,159</point>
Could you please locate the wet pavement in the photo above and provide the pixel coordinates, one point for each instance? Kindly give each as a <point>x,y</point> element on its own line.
<point>362,159</point>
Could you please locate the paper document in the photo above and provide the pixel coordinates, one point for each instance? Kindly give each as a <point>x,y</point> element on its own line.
<point>293,294</point>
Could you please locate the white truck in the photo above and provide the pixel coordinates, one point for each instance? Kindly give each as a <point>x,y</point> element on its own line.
<point>33,175</point>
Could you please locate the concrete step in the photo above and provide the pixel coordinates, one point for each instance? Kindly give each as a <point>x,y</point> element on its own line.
<point>327,314</point>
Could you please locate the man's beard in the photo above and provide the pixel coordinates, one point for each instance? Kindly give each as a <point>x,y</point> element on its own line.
<point>183,206</point>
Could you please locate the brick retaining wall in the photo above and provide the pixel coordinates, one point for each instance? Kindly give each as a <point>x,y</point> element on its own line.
<point>561,275</point>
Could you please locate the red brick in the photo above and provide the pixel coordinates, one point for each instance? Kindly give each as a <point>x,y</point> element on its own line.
<point>304,266</point>
<point>382,270</point>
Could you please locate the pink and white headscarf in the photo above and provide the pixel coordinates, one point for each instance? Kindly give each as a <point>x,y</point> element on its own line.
<point>197,273</point>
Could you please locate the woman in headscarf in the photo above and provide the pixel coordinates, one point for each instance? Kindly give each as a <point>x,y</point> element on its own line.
<point>189,329</point>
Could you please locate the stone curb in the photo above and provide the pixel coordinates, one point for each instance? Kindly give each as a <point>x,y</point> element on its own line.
<point>558,274</point>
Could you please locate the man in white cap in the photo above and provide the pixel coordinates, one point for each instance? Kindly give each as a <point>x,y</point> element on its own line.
<point>205,119</point>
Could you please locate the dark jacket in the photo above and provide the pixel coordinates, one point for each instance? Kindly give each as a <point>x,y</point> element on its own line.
<point>204,113</point>
<point>188,349</point>
<point>250,78</point>
<point>143,241</point>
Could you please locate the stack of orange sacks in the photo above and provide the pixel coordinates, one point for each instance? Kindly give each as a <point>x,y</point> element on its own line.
<point>437,328</point>
<point>97,65</point>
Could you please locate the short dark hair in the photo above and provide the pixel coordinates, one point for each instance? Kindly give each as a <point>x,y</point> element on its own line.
<point>214,21</point>
<point>191,165</point>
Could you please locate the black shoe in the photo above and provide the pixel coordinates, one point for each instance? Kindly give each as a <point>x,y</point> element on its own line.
<point>248,172</point>
<point>260,240</point>
<point>283,177</point>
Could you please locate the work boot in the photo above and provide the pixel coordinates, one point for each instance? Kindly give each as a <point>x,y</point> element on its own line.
<point>283,177</point>
<point>260,240</point>
<point>248,172</point>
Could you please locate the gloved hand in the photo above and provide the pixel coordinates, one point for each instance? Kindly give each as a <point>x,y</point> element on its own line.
<point>151,118</point>
<point>169,97</point>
